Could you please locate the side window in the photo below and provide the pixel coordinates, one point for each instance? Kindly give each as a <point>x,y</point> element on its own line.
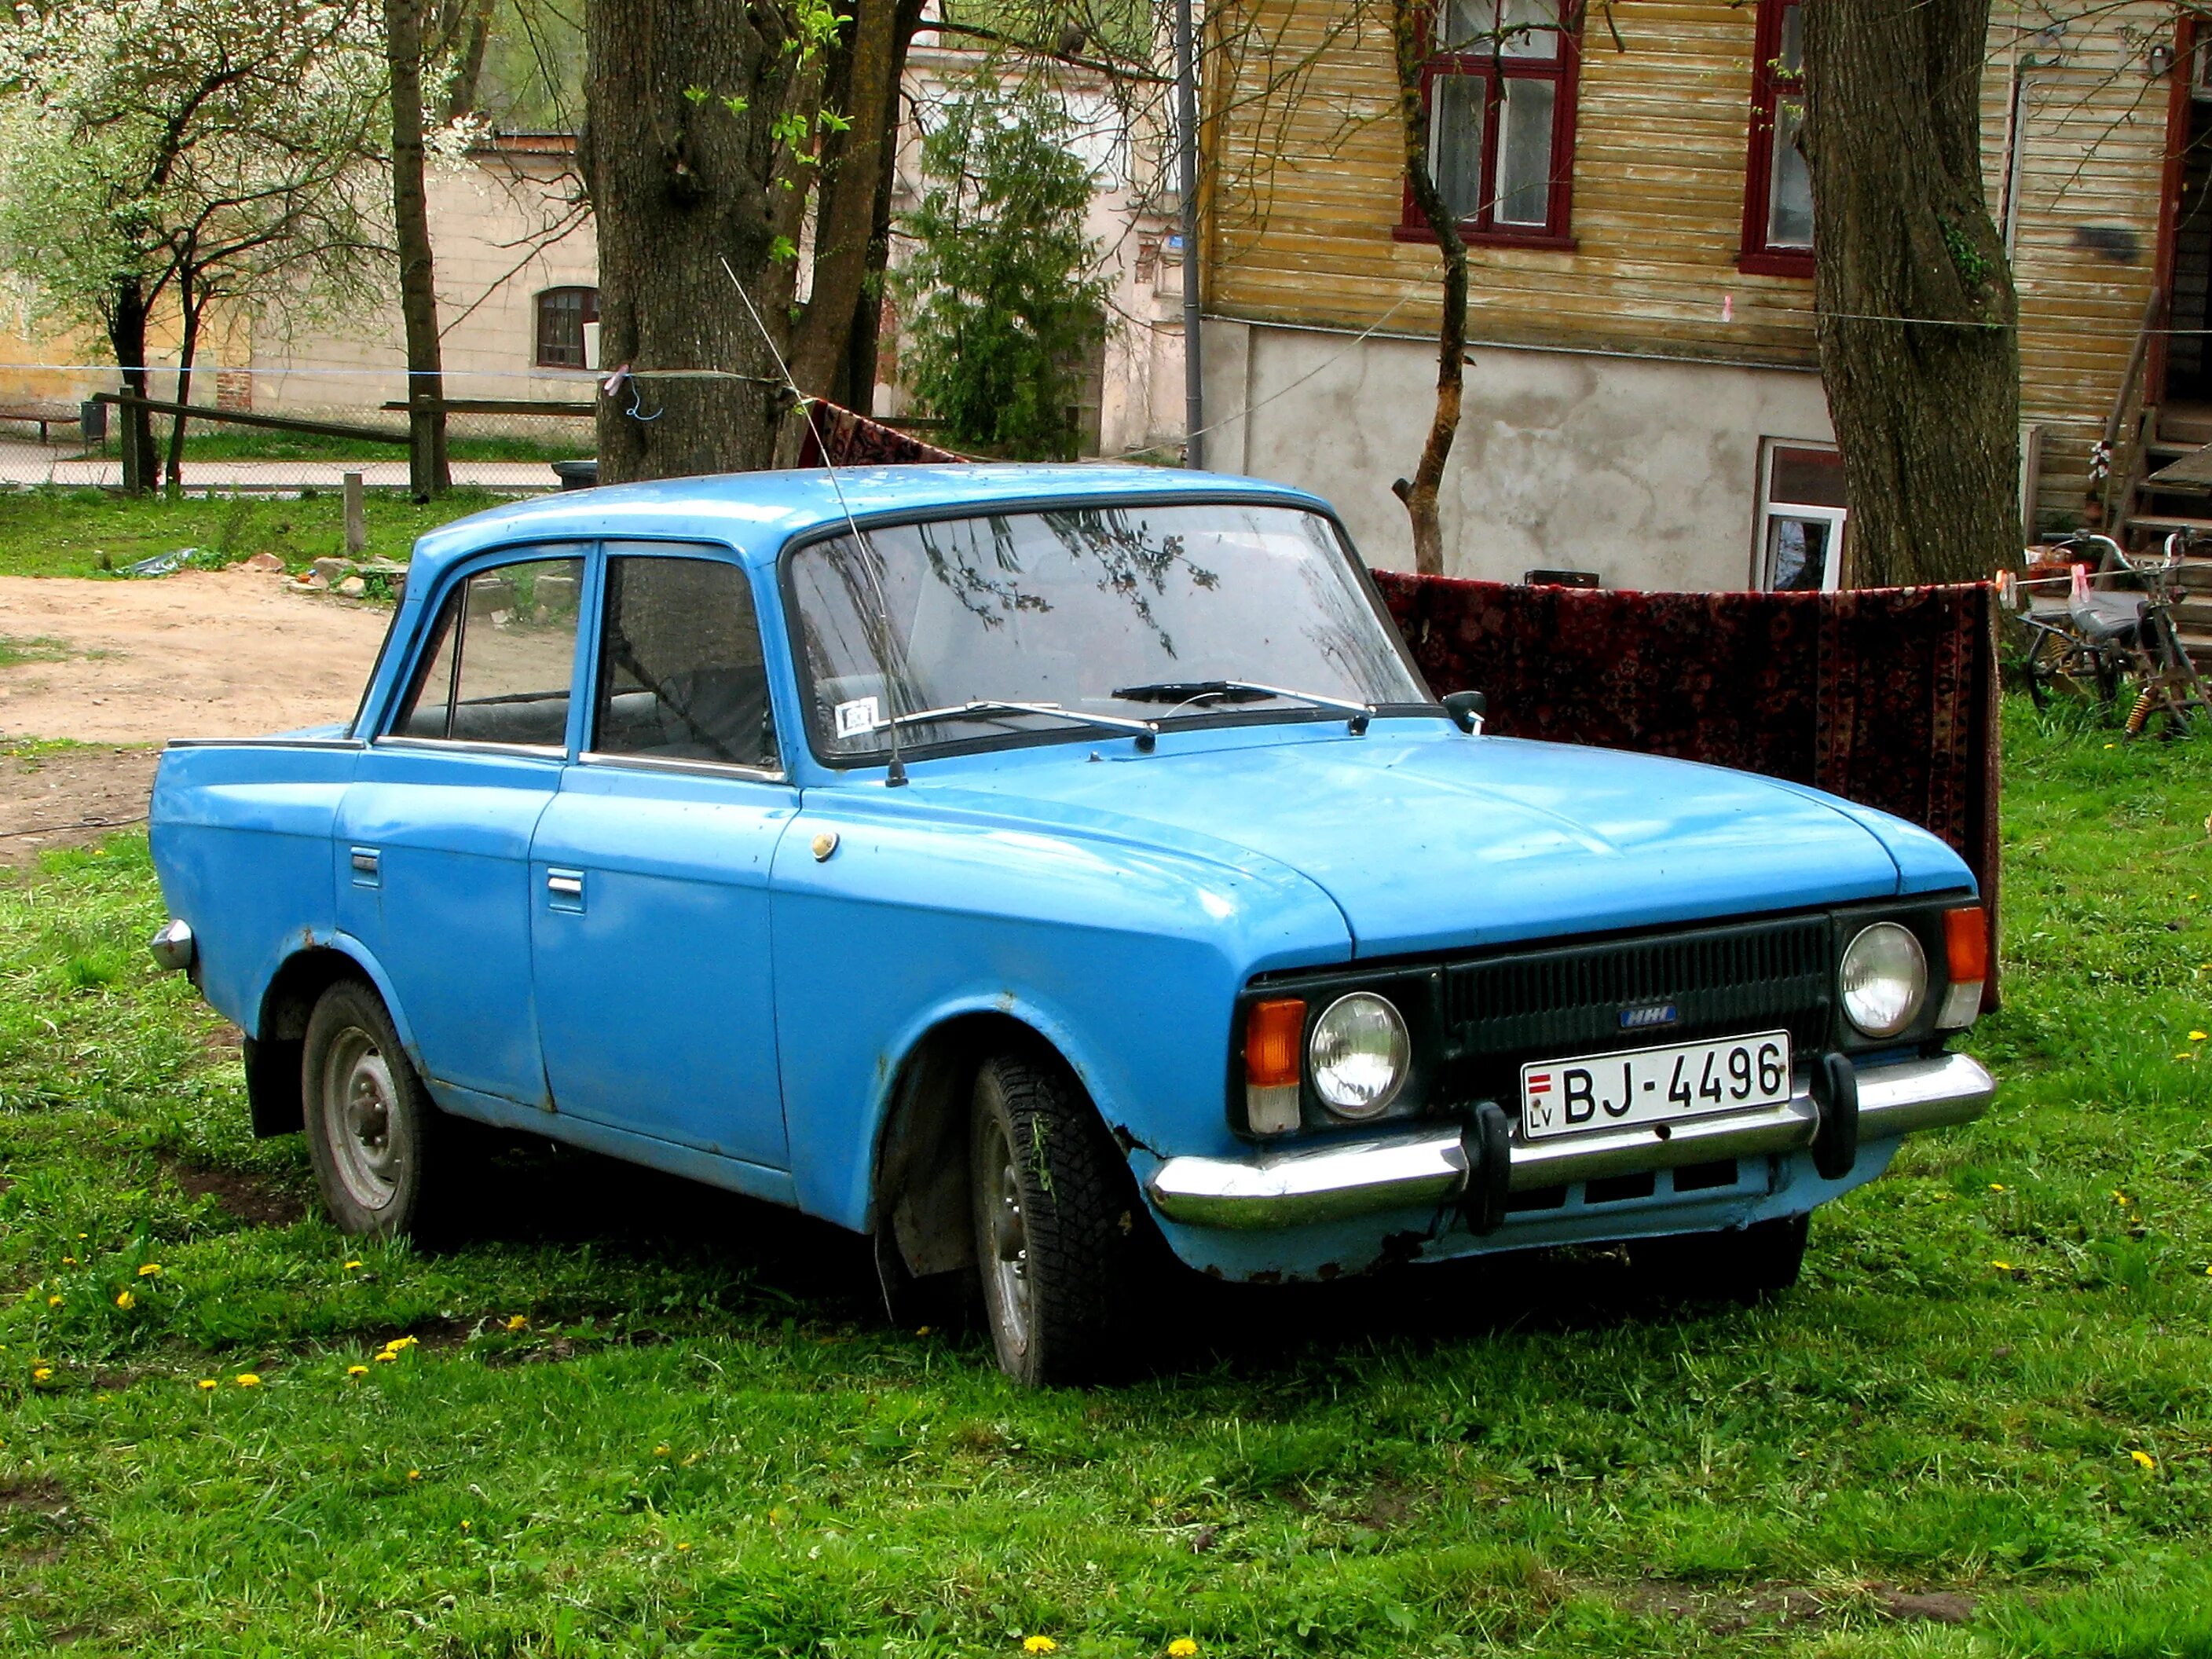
<point>502,659</point>
<point>681,674</point>
<point>1777,205</point>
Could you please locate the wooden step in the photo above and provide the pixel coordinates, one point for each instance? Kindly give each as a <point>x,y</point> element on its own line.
<point>2165,524</point>
<point>2191,425</point>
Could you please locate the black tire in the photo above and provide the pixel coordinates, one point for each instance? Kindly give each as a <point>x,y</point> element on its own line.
<point>1748,1265</point>
<point>386,1157</point>
<point>1054,1211</point>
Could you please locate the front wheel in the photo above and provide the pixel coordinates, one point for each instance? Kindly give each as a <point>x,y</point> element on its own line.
<point>1054,1216</point>
<point>383,1153</point>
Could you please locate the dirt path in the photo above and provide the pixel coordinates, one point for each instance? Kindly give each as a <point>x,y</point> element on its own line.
<point>123,666</point>
<point>69,796</point>
<point>201,654</point>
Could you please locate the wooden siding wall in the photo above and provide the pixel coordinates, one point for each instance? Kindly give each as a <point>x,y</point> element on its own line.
<point>1304,193</point>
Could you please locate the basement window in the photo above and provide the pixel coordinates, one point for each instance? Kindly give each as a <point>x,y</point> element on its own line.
<point>1500,87</point>
<point>1778,186</point>
<point>1801,514</point>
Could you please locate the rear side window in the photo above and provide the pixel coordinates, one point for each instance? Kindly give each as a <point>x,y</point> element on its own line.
<point>681,674</point>
<point>501,659</point>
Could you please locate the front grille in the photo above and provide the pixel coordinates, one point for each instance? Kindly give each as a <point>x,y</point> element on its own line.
<point>1746,977</point>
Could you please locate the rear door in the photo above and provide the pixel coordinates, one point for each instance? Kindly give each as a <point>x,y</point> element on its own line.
<point>433,839</point>
<point>650,868</point>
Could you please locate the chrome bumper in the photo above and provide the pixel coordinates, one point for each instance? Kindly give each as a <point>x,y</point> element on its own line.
<point>1432,1165</point>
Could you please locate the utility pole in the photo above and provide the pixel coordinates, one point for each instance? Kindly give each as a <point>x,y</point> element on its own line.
<point>1193,397</point>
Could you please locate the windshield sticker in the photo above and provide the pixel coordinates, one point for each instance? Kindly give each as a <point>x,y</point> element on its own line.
<point>857,719</point>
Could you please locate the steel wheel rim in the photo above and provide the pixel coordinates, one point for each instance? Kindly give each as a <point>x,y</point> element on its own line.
<point>361,1111</point>
<point>1005,1240</point>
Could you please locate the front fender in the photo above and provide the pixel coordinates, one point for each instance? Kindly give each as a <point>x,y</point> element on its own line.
<point>1126,958</point>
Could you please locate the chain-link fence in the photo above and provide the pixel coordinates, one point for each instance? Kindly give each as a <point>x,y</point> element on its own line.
<point>65,428</point>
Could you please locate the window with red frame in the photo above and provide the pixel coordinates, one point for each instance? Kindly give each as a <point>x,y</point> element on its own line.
<point>1500,86</point>
<point>1777,194</point>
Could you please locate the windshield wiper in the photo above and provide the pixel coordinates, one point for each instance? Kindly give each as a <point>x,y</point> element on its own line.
<point>1241,691</point>
<point>1145,731</point>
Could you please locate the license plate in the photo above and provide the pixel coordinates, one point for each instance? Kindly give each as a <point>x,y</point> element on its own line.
<point>1654,1085</point>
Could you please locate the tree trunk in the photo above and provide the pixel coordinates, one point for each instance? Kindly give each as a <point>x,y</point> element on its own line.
<point>133,426</point>
<point>854,385</point>
<point>678,185</point>
<point>1916,325</point>
<point>193,305</point>
<point>850,183</point>
<point>1409,37</point>
<point>466,33</point>
<point>428,472</point>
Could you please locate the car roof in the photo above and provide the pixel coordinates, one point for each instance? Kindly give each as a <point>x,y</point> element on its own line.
<point>759,513</point>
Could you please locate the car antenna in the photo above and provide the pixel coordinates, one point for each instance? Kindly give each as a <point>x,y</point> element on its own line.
<point>895,774</point>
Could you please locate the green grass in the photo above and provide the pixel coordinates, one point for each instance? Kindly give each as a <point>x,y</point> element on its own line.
<point>704,1439</point>
<point>86,532</point>
<point>16,649</point>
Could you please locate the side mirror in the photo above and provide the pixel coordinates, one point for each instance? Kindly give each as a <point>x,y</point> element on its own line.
<point>1466,709</point>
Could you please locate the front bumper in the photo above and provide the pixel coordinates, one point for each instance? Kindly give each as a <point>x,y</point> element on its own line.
<point>1433,1165</point>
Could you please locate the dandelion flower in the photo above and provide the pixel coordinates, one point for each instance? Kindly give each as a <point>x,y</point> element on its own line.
<point>2002,1266</point>
<point>69,1261</point>
<point>248,1380</point>
<point>660,1451</point>
<point>125,1301</point>
<point>1181,1648</point>
<point>357,1370</point>
<point>150,1270</point>
<point>2145,1459</point>
<point>1039,1644</point>
<point>414,1474</point>
<point>206,1384</point>
<point>922,1330</point>
<point>465,1526</point>
<point>53,1302</point>
<point>2121,1198</point>
<point>2185,1055</point>
<point>683,1546</point>
<point>351,1266</point>
<point>2199,1037</point>
<point>41,1373</point>
<point>518,1322</point>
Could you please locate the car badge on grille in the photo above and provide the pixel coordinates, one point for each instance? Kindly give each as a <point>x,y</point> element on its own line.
<point>1648,1015</point>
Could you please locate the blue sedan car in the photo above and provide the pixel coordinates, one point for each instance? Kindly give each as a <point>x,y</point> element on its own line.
<point>1029,865</point>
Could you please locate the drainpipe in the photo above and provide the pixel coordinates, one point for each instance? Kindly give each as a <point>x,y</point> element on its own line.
<point>1194,398</point>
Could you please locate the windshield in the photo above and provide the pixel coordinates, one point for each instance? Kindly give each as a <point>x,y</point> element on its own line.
<point>1153,613</point>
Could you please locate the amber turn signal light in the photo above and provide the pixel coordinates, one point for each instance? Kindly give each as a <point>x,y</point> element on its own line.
<point>1272,1031</point>
<point>1273,1064</point>
<point>1966,956</point>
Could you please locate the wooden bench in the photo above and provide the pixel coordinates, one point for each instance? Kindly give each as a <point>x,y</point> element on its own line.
<point>41,415</point>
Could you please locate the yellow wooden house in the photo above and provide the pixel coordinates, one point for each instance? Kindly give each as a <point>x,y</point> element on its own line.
<point>1644,402</point>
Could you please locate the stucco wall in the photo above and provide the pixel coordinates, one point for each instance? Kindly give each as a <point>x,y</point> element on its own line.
<point>502,229</point>
<point>1645,470</point>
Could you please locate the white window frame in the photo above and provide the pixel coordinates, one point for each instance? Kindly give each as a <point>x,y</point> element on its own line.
<point>1836,518</point>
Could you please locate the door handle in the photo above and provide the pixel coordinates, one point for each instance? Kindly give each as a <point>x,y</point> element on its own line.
<point>565,883</point>
<point>367,866</point>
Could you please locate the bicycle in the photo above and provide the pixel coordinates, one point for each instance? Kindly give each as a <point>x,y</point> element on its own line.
<point>2061,657</point>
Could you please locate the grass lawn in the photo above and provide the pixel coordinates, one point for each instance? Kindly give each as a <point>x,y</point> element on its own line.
<point>61,532</point>
<point>639,1417</point>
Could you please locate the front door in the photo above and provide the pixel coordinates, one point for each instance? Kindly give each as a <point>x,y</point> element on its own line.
<point>649,870</point>
<point>433,844</point>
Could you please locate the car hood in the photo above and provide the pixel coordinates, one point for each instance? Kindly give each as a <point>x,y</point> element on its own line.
<point>1428,840</point>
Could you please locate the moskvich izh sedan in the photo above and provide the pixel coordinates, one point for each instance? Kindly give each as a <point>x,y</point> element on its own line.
<point>1026,865</point>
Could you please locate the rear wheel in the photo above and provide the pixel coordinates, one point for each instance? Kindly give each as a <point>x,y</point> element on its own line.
<point>1747,1264</point>
<point>1055,1215</point>
<point>384,1156</point>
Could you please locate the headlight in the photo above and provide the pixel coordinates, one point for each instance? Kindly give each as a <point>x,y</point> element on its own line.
<point>1359,1052</point>
<point>1885,979</point>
